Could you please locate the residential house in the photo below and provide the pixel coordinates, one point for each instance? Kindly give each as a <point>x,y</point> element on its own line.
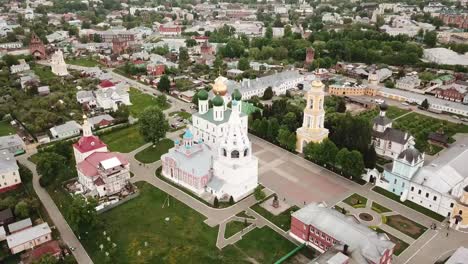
<point>410,82</point>
<point>330,231</point>
<point>51,248</point>
<point>101,121</point>
<point>43,90</point>
<point>111,97</point>
<point>21,67</point>
<point>13,144</point>
<point>155,69</point>
<point>9,171</point>
<point>69,129</point>
<point>29,238</point>
<point>86,98</point>
<point>20,225</point>
<point>11,45</point>
<point>57,36</point>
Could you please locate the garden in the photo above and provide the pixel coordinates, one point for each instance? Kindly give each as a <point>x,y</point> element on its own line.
<point>420,126</point>
<point>83,61</point>
<point>400,245</point>
<point>356,200</point>
<point>153,153</point>
<point>160,229</point>
<point>392,113</point>
<point>406,226</point>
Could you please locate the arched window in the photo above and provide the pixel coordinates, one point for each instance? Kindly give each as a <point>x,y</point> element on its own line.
<point>246,152</point>
<point>224,153</point>
<point>235,154</point>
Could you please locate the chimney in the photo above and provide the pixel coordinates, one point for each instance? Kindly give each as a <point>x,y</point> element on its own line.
<point>345,249</point>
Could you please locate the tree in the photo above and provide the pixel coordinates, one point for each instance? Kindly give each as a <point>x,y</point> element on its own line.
<point>259,193</point>
<point>355,164</point>
<point>290,120</point>
<point>190,42</point>
<point>231,200</point>
<point>425,104</point>
<point>122,113</point>
<point>287,31</point>
<point>164,84</point>
<point>153,124</point>
<point>389,84</point>
<point>161,100</point>
<point>243,64</point>
<point>268,94</point>
<point>184,58</point>
<point>216,202</point>
<point>269,32</point>
<point>340,105</point>
<point>370,157</point>
<point>273,127</point>
<point>22,209</point>
<point>52,167</point>
<point>430,38</point>
<point>328,151</point>
<point>341,157</point>
<point>82,214</point>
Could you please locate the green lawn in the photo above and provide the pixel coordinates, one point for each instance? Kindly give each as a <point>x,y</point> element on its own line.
<point>6,129</point>
<point>85,62</point>
<point>380,208</point>
<point>410,204</point>
<point>355,200</point>
<point>173,234</point>
<point>234,227</point>
<point>44,73</point>
<point>243,214</point>
<point>123,140</point>
<point>140,101</point>
<point>153,153</point>
<point>400,245</point>
<point>282,220</point>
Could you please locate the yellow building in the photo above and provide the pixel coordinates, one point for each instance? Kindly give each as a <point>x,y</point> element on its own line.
<point>460,210</point>
<point>312,129</point>
<point>354,89</point>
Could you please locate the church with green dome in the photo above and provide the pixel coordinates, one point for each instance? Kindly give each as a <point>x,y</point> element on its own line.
<point>210,122</point>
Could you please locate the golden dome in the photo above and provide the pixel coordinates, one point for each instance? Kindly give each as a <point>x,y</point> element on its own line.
<point>317,84</point>
<point>219,86</point>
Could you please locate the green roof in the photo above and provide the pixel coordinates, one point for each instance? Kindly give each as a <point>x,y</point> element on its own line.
<point>208,116</point>
<point>202,95</point>
<point>237,95</point>
<point>217,101</point>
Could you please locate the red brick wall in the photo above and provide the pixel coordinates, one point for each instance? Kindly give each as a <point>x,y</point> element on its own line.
<point>299,229</point>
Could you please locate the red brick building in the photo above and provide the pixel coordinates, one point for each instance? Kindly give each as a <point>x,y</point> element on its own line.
<point>450,94</point>
<point>119,46</point>
<point>310,53</point>
<point>458,19</point>
<point>170,30</point>
<point>327,230</point>
<point>37,47</point>
<point>206,48</point>
<point>155,69</point>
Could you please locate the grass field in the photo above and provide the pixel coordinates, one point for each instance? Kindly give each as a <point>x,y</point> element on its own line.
<point>153,153</point>
<point>145,231</point>
<point>6,129</point>
<point>233,228</point>
<point>123,140</point>
<point>282,220</point>
<point>140,101</point>
<point>44,73</point>
<point>86,62</point>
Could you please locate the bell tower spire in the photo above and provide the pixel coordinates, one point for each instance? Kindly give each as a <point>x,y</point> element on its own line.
<point>86,127</point>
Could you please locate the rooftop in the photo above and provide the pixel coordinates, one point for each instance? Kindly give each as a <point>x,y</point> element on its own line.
<point>29,234</point>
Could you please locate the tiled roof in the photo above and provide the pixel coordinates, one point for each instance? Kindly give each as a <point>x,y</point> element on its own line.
<point>86,144</point>
<point>89,166</point>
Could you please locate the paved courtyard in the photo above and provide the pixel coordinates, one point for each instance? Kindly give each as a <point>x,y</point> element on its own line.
<point>295,178</point>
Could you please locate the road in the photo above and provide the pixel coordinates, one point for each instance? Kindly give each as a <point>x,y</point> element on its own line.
<point>66,232</point>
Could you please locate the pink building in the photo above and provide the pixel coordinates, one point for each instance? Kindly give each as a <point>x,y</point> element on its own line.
<point>339,236</point>
<point>170,30</point>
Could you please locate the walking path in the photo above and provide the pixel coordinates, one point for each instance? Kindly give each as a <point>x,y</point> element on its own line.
<point>67,235</point>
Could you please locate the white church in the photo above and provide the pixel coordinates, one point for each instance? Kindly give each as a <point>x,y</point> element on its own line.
<point>58,65</point>
<point>216,160</point>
